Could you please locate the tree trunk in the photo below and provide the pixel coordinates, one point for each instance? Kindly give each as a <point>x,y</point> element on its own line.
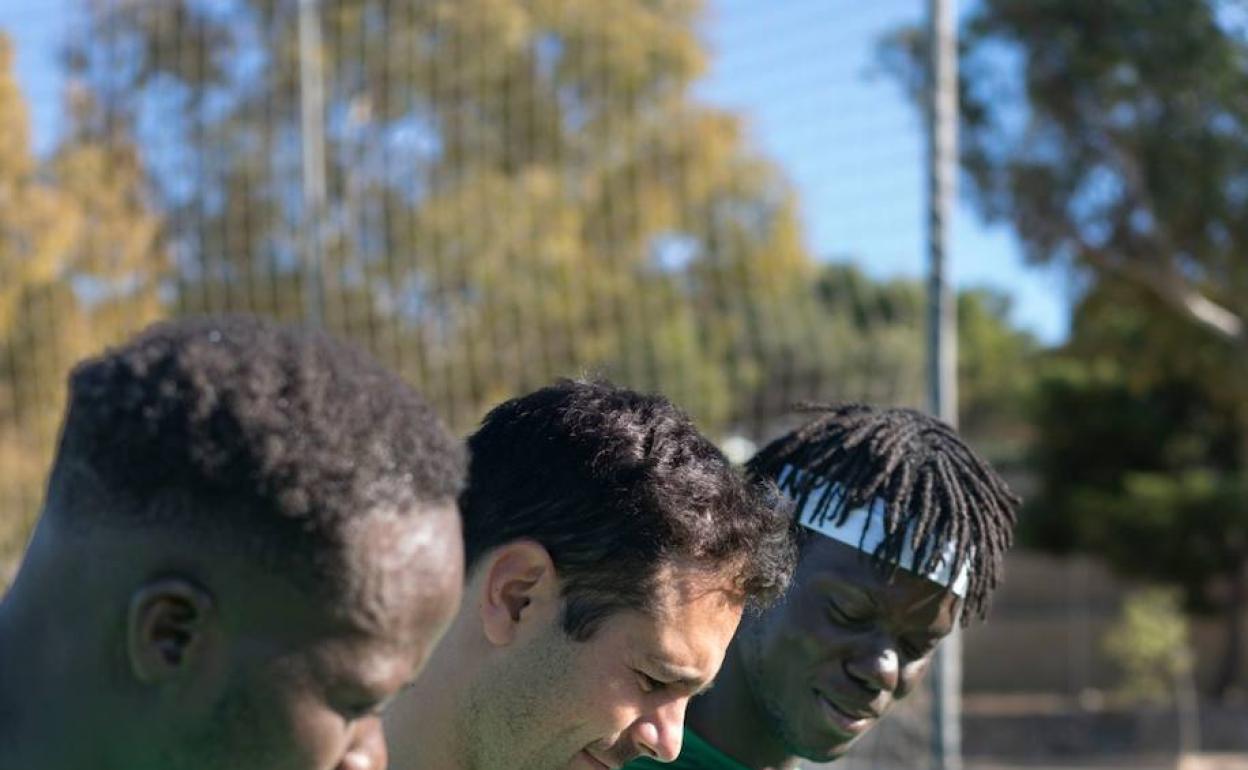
<point>1229,672</point>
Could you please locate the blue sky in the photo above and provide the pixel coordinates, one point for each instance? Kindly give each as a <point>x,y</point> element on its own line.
<point>803,77</point>
<point>814,101</point>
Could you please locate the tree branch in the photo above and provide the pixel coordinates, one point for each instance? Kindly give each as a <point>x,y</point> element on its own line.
<point>1175,292</point>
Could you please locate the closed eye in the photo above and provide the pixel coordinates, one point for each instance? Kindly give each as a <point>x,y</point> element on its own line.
<point>649,684</point>
<point>840,615</point>
<point>361,710</point>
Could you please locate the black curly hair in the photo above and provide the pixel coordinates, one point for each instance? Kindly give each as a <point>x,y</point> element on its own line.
<point>936,489</point>
<point>273,437</point>
<point>616,484</point>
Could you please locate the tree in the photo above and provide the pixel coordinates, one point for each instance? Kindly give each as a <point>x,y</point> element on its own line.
<point>517,189</point>
<point>1139,454</point>
<point>996,360</point>
<point>1113,137</point>
<point>80,264</point>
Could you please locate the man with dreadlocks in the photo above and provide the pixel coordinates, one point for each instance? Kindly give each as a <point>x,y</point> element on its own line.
<point>902,532</point>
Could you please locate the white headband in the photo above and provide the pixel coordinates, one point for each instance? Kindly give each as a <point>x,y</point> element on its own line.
<point>864,529</point>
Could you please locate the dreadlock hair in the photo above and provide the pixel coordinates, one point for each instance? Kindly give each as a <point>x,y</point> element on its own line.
<point>934,487</point>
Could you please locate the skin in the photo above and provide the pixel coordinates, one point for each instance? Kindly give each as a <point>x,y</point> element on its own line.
<point>149,649</point>
<point>508,688</point>
<point>816,672</point>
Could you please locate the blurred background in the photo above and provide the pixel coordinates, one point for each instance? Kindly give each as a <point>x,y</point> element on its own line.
<point>728,201</point>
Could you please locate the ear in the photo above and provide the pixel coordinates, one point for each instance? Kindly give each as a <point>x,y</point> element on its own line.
<point>519,591</point>
<point>167,629</point>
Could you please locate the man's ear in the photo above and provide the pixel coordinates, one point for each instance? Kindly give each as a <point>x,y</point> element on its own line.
<point>519,589</point>
<point>168,625</point>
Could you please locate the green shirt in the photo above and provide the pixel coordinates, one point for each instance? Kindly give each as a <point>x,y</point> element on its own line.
<point>695,754</point>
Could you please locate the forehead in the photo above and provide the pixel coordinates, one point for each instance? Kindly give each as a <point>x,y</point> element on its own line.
<point>830,567</point>
<point>404,571</point>
<point>687,630</point>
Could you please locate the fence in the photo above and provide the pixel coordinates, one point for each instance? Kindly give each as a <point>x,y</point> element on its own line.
<point>487,194</point>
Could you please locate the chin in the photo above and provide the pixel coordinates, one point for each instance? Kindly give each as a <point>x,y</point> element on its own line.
<point>825,754</point>
<point>819,749</point>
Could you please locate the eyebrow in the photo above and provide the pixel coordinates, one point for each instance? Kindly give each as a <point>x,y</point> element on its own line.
<point>925,601</point>
<point>676,675</point>
<point>875,598</point>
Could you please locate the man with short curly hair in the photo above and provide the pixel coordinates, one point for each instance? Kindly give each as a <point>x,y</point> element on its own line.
<point>610,551</point>
<point>249,544</point>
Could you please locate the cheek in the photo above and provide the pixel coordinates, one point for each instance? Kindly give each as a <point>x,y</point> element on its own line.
<point>266,726</point>
<point>301,731</point>
<point>613,701</point>
<point>807,639</point>
<point>600,698</point>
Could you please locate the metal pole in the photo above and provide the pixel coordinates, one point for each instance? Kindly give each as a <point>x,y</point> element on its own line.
<point>942,152</point>
<point>312,133</point>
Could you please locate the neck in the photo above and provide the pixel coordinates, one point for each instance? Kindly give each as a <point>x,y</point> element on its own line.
<point>27,728</point>
<point>427,727</point>
<point>731,719</point>
<point>11,670</point>
<point>42,684</point>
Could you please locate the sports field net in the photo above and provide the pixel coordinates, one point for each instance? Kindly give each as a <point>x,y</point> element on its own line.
<point>487,194</point>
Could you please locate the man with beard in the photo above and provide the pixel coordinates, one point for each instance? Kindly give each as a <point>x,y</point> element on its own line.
<point>903,529</point>
<point>249,544</point>
<point>610,552</point>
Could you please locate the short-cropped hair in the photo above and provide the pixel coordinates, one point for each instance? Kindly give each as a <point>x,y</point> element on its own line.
<point>271,436</point>
<point>616,485</point>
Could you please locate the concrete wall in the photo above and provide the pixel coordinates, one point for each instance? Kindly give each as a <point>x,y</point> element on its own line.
<point>1045,629</point>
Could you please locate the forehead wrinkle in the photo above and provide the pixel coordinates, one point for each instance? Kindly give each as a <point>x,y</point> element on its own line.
<point>664,652</point>
<point>670,647</point>
<point>674,672</point>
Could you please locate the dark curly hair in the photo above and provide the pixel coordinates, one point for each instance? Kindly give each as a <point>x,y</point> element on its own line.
<point>274,437</point>
<point>617,484</point>
<point>926,474</point>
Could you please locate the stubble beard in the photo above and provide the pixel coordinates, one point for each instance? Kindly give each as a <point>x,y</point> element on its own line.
<point>511,717</point>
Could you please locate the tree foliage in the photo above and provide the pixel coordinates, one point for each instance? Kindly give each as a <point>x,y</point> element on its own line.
<point>1151,643</point>
<point>80,262</point>
<point>1140,456</point>
<point>517,189</point>
<point>1113,137</point>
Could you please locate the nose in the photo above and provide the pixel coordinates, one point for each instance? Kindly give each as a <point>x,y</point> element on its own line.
<point>659,734</point>
<point>875,668</point>
<point>367,750</point>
